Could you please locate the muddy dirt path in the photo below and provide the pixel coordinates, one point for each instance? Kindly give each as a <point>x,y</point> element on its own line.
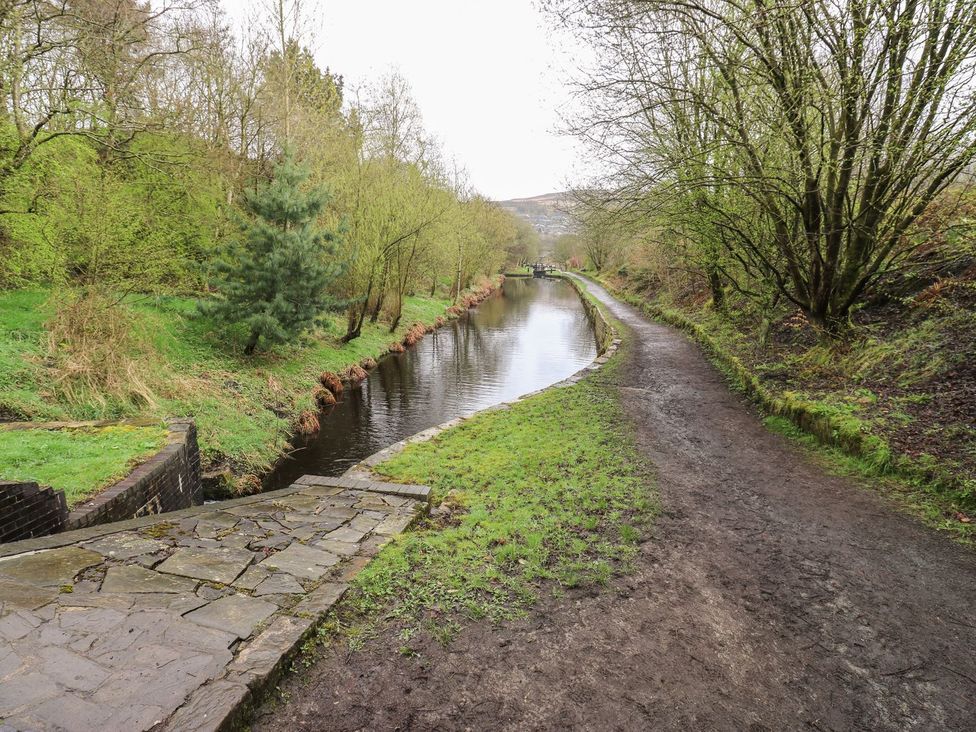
<point>772,596</point>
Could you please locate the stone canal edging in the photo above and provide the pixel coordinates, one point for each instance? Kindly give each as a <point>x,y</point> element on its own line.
<point>180,621</point>
<point>605,332</point>
<point>608,342</point>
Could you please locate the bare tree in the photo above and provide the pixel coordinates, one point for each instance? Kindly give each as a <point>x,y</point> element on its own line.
<point>808,134</point>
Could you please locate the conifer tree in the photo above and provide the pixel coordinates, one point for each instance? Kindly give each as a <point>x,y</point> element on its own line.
<point>275,280</point>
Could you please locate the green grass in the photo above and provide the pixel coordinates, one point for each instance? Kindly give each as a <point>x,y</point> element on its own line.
<point>78,461</point>
<point>551,493</point>
<point>243,407</point>
<point>234,399</point>
<point>22,317</point>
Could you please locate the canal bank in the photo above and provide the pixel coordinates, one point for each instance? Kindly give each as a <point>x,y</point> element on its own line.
<point>607,344</point>
<point>295,400</point>
<point>182,364</point>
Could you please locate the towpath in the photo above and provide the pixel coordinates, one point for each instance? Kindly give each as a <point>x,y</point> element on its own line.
<point>772,596</point>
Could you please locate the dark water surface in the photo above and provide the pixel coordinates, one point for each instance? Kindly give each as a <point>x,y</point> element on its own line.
<point>532,334</point>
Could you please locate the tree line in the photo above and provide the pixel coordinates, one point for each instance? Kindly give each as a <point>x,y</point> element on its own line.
<point>150,147</point>
<point>783,150</point>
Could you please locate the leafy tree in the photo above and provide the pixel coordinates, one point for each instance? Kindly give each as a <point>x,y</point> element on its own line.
<point>129,226</point>
<point>275,280</point>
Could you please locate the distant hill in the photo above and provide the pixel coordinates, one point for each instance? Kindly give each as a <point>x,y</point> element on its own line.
<point>547,213</point>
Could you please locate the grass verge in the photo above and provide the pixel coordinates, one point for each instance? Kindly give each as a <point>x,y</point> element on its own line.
<point>911,494</point>
<point>79,461</point>
<point>547,494</point>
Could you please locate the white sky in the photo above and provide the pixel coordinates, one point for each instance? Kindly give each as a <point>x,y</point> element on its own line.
<point>486,76</point>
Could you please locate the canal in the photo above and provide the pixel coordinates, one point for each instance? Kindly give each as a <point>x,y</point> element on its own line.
<point>531,334</point>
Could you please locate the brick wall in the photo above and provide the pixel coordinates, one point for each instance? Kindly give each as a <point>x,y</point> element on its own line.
<point>28,510</point>
<point>168,481</point>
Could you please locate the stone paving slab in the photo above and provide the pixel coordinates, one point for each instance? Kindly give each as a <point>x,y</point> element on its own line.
<point>176,621</point>
<point>208,563</point>
<point>133,578</point>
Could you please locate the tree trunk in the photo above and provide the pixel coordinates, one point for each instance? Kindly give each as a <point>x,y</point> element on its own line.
<point>375,315</point>
<point>354,326</point>
<point>715,285</point>
<point>827,326</point>
<point>381,292</point>
<point>252,343</point>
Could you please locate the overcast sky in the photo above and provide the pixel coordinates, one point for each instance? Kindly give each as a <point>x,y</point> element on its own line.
<point>486,75</point>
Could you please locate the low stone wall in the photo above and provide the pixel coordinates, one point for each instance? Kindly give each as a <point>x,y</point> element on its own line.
<point>605,333</point>
<point>28,510</point>
<point>168,481</point>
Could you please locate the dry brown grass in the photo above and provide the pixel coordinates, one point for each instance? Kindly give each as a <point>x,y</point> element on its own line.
<point>414,334</point>
<point>323,397</point>
<point>353,374</point>
<point>247,485</point>
<point>94,355</point>
<point>331,381</point>
<point>308,423</point>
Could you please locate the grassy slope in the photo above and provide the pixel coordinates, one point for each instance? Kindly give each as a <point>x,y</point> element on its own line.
<point>550,490</point>
<point>235,401</point>
<point>77,461</point>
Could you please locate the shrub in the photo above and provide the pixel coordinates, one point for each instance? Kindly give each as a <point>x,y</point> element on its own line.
<point>93,352</point>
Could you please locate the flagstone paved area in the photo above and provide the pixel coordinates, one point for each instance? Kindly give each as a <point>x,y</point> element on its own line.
<point>174,621</point>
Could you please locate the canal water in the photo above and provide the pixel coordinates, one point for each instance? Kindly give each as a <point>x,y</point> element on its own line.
<point>531,334</point>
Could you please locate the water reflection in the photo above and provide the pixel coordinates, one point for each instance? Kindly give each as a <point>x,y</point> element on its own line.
<point>533,334</point>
